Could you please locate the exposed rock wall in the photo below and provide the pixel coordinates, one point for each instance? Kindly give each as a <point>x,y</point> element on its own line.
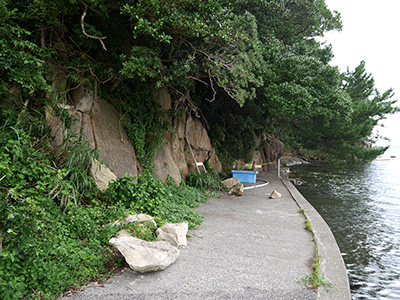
<point>269,149</point>
<point>102,127</point>
<point>186,142</point>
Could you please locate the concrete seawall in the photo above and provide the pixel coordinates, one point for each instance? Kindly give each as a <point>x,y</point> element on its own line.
<point>331,261</point>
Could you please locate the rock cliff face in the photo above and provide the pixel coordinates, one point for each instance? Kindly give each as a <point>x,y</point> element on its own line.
<point>185,144</point>
<point>269,149</point>
<point>101,126</point>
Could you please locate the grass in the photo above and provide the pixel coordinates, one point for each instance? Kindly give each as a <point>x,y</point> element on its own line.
<point>316,278</point>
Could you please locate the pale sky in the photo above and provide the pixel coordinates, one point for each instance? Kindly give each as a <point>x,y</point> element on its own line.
<point>371,32</point>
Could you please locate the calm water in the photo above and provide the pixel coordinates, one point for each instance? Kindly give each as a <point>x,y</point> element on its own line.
<point>362,208</point>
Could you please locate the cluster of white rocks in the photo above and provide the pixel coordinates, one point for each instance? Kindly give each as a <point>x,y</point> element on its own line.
<point>143,256</point>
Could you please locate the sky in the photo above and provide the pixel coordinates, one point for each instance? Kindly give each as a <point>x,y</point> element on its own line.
<point>371,32</point>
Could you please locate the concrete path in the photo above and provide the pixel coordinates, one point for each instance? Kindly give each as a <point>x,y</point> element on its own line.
<point>249,247</point>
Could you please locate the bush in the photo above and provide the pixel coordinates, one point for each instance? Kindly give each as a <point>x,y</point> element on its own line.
<point>51,241</point>
<point>145,195</point>
<point>165,203</point>
<point>209,181</point>
<point>59,252</point>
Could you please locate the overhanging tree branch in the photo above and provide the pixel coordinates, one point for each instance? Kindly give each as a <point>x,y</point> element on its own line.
<point>100,39</point>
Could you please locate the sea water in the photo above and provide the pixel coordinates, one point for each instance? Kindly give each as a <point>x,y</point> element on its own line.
<point>362,207</point>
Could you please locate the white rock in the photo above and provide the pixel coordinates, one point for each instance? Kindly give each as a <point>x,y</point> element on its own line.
<point>168,237</point>
<point>275,195</point>
<point>238,189</point>
<point>231,182</point>
<point>143,256</point>
<point>178,230</point>
<point>102,175</point>
<point>137,218</point>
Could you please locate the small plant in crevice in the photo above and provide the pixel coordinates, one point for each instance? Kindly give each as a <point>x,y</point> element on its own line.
<point>308,226</point>
<point>316,278</point>
<point>301,211</point>
<point>144,230</point>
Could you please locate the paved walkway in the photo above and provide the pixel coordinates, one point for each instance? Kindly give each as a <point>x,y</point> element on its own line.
<point>249,247</point>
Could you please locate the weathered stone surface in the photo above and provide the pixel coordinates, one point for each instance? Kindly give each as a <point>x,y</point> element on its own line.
<point>238,189</point>
<point>165,165</point>
<point>178,230</point>
<point>275,195</point>
<point>84,101</point>
<point>231,182</point>
<point>167,237</point>
<point>163,98</point>
<point>178,144</point>
<point>272,150</point>
<point>87,130</point>
<point>113,143</point>
<point>197,136</point>
<point>102,127</point>
<point>137,218</point>
<point>101,174</point>
<point>291,160</point>
<point>143,256</point>
<point>55,124</point>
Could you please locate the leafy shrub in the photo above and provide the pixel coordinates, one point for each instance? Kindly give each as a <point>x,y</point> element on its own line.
<point>49,243</point>
<point>165,203</point>
<point>145,230</point>
<point>206,181</point>
<point>146,195</point>
<point>61,251</point>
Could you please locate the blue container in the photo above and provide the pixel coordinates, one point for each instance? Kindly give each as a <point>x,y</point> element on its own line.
<point>245,176</point>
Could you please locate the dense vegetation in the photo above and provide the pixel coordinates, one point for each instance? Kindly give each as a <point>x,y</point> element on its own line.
<point>248,67</point>
<point>252,66</point>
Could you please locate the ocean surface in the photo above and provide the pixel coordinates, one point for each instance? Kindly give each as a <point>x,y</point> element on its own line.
<point>362,207</point>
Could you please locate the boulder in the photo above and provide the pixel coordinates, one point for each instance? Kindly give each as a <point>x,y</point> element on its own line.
<point>167,237</point>
<point>137,218</point>
<point>101,174</point>
<point>143,256</point>
<point>231,182</point>
<point>275,195</point>
<point>238,190</point>
<point>178,232</point>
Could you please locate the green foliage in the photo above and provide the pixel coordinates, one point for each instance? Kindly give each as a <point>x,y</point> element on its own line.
<point>144,122</point>
<point>308,226</point>
<point>147,195</point>
<point>166,203</point>
<point>20,58</point>
<point>316,278</point>
<point>215,50</point>
<point>144,231</point>
<point>184,41</point>
<point>209,181</point>
<point>51,251</point>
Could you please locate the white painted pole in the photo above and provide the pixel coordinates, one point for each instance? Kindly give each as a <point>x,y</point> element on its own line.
<point>279,168</point>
